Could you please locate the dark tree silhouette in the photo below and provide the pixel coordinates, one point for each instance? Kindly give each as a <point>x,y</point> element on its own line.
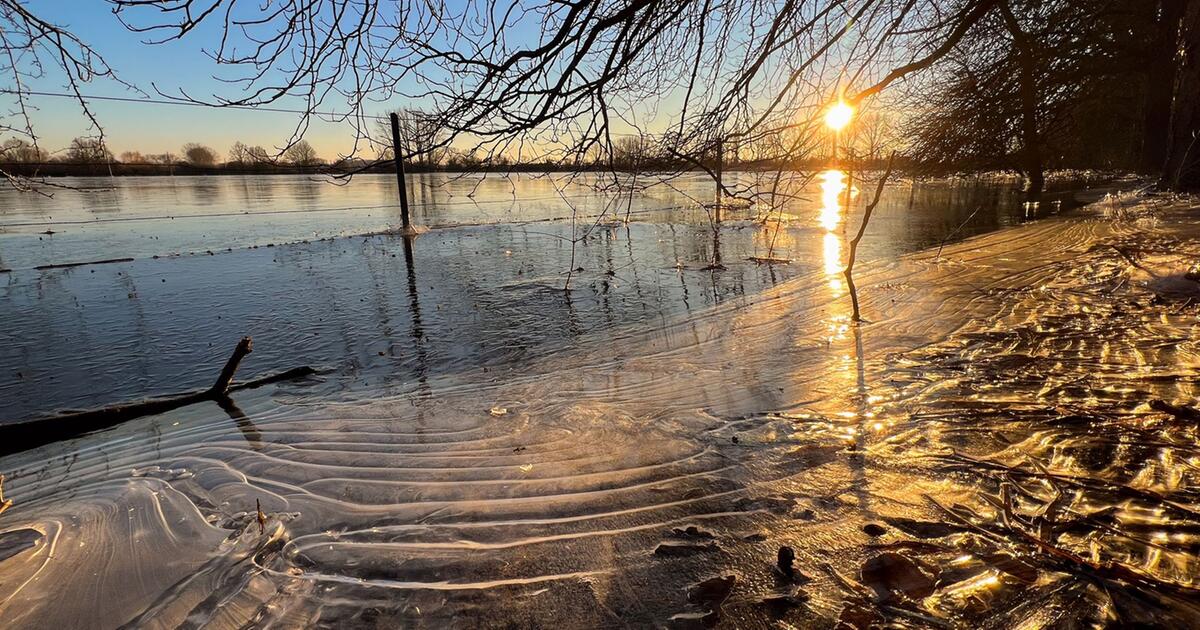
<point>1181,170</point>
<point>301,153</point>
<point>19,151</point>
<point>199,155</point>
<point>88,151</point>
<point>239,154</point>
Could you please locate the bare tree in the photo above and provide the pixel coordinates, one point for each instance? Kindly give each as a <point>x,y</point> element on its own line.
<point>132,157</point>
<point>875,134</point>
<point>198,154</point>
<point>239,154</point>
<point>501,77</point>
<point>16,150</point>
<point>88,151</point>
<point>632,152</point>
<point>258,155</point>
<point>586,64</point>
<point>1181,171</point>
<point>420,132</point>
<point>31,50</point>
<point>301,154</point>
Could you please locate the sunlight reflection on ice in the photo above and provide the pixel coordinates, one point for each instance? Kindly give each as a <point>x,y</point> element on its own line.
<point>833,183</point>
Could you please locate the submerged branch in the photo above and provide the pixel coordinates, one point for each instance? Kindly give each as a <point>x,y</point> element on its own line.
<point>23,436</point>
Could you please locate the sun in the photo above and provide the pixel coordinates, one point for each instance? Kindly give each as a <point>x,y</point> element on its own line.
<point>839,115</point>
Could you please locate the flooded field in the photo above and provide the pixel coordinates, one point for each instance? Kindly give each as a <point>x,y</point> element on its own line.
<point>1006,441</point>
<point>282,259</point>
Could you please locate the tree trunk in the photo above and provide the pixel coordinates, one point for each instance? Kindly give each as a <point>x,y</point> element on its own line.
<point>1031,149</point>
<point>1160,84</point>
<point>1181,171</point>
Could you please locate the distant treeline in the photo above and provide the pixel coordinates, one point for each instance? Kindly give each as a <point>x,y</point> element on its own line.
<point>117,168</point>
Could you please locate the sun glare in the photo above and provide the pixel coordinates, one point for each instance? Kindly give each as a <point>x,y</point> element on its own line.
<point>839,115</point>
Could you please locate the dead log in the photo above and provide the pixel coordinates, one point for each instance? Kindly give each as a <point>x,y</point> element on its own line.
<point>22,436</point>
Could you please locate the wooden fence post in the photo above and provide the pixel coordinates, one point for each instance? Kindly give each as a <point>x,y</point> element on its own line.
<point>397,154</point>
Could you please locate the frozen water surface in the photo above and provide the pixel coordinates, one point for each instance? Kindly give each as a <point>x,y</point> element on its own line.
<point>1004,443</point>
<point>282,259</point>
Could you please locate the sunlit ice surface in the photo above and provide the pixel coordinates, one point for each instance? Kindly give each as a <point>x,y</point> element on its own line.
<point>982,452</point>
<point>832,257</point>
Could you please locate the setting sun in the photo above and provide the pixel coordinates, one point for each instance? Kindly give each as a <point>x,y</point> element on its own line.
<point>839,115</point>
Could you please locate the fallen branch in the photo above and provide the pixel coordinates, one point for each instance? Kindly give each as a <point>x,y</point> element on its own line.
<point>21,436</point>
<point>849,271</point>
<point>1071,562</point>
<point>975,465</point>
<point>1181,412</point>
<point>1129,259</point>
<point>82,264</point>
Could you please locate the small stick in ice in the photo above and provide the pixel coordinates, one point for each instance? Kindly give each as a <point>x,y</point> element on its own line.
<point>849,271</point>
<point>784,561</point>
<point>262,518</point>
<point>221,387</point>
<point>4,504</point>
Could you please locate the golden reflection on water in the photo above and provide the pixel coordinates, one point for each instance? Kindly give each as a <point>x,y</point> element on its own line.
<point>847,378</point>
<point>833,184</point>
<point>833,262</point>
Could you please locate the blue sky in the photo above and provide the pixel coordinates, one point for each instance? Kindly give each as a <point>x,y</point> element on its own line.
<point>155,128</point>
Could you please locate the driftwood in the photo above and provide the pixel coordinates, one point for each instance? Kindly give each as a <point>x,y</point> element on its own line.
<point>23,436</point>
<point>849,271</point>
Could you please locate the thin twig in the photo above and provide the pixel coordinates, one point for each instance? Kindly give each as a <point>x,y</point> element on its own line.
<point>862,229</point>
<point>955,231</point>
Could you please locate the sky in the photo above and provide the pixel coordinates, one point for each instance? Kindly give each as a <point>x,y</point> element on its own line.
<point>155,128</point>
<point>184,65</point>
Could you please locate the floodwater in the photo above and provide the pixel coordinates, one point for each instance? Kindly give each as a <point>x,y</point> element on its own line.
<point>283,259</point>
<point>986,450</point>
